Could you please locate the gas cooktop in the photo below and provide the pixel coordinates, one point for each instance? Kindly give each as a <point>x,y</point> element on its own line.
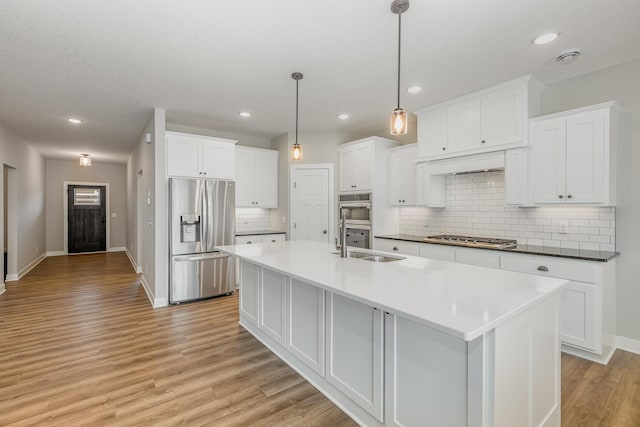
<point>476,242</point>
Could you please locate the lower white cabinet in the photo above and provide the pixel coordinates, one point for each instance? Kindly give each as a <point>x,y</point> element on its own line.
<point>250,292</point>
<point>480,258</point>
<point>355,337</point>
<point>272,307</point>
<point>306,324</point>
<point>399,246</point>
<point>439,252</point>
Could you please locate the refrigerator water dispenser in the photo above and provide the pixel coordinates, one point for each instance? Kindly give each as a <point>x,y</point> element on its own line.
<point>189,228</point>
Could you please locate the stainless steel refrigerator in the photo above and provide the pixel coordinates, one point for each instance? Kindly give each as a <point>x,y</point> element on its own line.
<point>202,216</point>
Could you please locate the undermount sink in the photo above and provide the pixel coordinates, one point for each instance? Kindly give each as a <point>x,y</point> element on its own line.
<point>367,256</point>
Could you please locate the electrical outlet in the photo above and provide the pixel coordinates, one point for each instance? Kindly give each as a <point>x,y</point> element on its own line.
<point>284,219</point>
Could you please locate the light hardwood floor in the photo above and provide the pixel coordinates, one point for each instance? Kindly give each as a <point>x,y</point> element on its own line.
<point>81,345</point>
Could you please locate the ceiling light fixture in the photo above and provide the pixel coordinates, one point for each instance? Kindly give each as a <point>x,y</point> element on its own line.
<point>296,151</point>
<point>343,116</point>
<point>399,116</point>
<point>74,120</point>
<point>545,38</point>
<point>414,89</point>
<point>245,114</point>
<point>85,160</point>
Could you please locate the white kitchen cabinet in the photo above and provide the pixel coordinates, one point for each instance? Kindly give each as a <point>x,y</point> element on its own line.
<point>588,301</point>
<point>475,257</point>
<point>356,167</point>
<point>516,177</point>
<point>355,351</point>
<point>430,189</point>
<point>492,119</point>
<point>272,310</point>
<point>439,252</point>
<point>250,292</point>
<point>306,321</point>
<point>573,156</point>
<point>197,156</point>
<point>402,175</point>
<point>397,246</point>
<point>256,177</point>
<point>255,238</point>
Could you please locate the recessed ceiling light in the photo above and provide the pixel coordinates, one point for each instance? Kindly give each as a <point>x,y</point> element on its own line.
<point>74,120</point>
<point>343,116</point>
<point>414,89</point>
<point>545,38</point>
<point>245,114</point>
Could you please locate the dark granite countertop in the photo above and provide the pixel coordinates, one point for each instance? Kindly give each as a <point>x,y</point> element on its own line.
<point>588,255</point>
<point>258,233</point>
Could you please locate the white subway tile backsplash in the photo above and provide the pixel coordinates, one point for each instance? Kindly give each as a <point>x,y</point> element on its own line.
<point>475,206</point>
<point>252,219</point>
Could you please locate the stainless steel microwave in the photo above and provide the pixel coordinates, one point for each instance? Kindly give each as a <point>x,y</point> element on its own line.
<point>357,208</point>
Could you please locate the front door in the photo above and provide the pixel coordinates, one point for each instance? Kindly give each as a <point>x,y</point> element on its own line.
<point>87,226</point>
<point>311,204</point>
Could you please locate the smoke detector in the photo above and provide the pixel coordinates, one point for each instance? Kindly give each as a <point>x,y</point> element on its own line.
<point>568,57</point>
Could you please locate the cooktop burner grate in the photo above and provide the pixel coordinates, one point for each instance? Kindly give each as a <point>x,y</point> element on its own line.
<point>472,241</point>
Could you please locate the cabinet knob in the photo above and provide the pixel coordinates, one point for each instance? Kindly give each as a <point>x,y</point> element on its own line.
<point>273,241</point>
<point>542,268</point>
<point>483,141</point>
<point>569,196</point>
<point>444,148</point>
<point>204,173</point>
<point>404,201</point>
<point>560,196</point>
<point>249,242</point>
<point>395,248</point>
<point>324,231</point>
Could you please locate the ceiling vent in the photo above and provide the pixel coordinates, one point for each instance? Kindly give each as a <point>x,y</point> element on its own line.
<point>568,57</point>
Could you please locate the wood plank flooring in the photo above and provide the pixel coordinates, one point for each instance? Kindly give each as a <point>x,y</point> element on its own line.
<point>81,345</point>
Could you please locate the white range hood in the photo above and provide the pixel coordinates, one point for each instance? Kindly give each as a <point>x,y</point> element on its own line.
<point>467,164</point>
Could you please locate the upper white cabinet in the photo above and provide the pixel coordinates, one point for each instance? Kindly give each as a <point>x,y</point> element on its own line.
<point>430,189</point>
<point>492,119</point>
<point>516,176</point>
<point>358,162</point>
<point>402,175</point>
<point>572,156</point>
<point>256,177</point>
<point>198,156</point>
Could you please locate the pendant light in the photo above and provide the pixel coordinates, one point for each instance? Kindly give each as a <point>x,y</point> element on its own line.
<point>85,160</point>
<point>399,116</point>
<point>296,151</point>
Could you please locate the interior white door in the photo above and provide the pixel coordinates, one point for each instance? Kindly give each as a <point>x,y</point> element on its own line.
<point>310,204</point>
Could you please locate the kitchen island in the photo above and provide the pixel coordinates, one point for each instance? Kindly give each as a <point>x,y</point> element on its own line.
<point>411,342</point>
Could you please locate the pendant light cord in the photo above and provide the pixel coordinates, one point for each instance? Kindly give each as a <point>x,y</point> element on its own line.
<point>297,81</point>
<point>399,40</point>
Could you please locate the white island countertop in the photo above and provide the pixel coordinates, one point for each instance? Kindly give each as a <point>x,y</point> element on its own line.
<point>462,300</point>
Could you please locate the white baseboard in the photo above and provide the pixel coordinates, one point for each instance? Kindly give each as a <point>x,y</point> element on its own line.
<point>117,249</point>
<point>136,267</point>
<point>56,253</point>
<point>28,268</point>
<point>160,302</point>
<point>3,288</point>
<point>628,344</point>
<point>147,290</point>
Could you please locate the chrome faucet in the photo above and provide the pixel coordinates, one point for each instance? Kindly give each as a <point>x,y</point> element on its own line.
<point>343,234</point>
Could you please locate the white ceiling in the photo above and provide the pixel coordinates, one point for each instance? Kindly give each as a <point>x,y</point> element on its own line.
<point>110,62</point>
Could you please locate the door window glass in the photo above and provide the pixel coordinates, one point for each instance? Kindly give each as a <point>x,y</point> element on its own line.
<point>86,196</point>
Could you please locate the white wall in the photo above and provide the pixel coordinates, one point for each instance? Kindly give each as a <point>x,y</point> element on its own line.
<point>620,83</point>
<point>150,256</point>
<point>59,171</point>
<point>30,174</point>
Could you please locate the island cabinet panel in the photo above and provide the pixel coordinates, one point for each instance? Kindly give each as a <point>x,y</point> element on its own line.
<point>426,376</point>
<point>249,294</point>
<point>273,305</point>
<point>355,337</point>
<point>306,324</point>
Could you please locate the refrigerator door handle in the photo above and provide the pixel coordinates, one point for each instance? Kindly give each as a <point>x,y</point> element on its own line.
<point>202,257</point>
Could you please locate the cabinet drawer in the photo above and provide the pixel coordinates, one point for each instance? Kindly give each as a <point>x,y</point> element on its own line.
<point>439,252</point>
<point>478,257</point>
<point>581,271</point>
<point>242,240</point>
<point>272,238</point>
<point>398,246</point>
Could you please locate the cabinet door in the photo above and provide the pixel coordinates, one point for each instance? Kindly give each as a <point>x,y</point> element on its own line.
<point>463,126</point>
<point>244,177</point>
<point>183,157</point>
<point>396,173</point>
<point>586,158</point>
<point>355,351</point>
<point>439,252</point>
<point>409,177</point>
<point>502,117</point>
<point>218,160</point>
<point>346,169</point>
<point>579,316</point>
<point>364,166</point>
<point>249,291</point>
<point>515,177</point>
<point>430,190</point>
<point>265,179</point>
<point>305,338</point>
<point>548,159</point>
<point>426,375</point>
<point>432,133</point>
<point>273,305</point>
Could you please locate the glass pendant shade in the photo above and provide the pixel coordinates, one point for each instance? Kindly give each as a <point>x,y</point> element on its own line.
<point>296,152</point>
<point>398,122</point>
<point>85,160</point>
